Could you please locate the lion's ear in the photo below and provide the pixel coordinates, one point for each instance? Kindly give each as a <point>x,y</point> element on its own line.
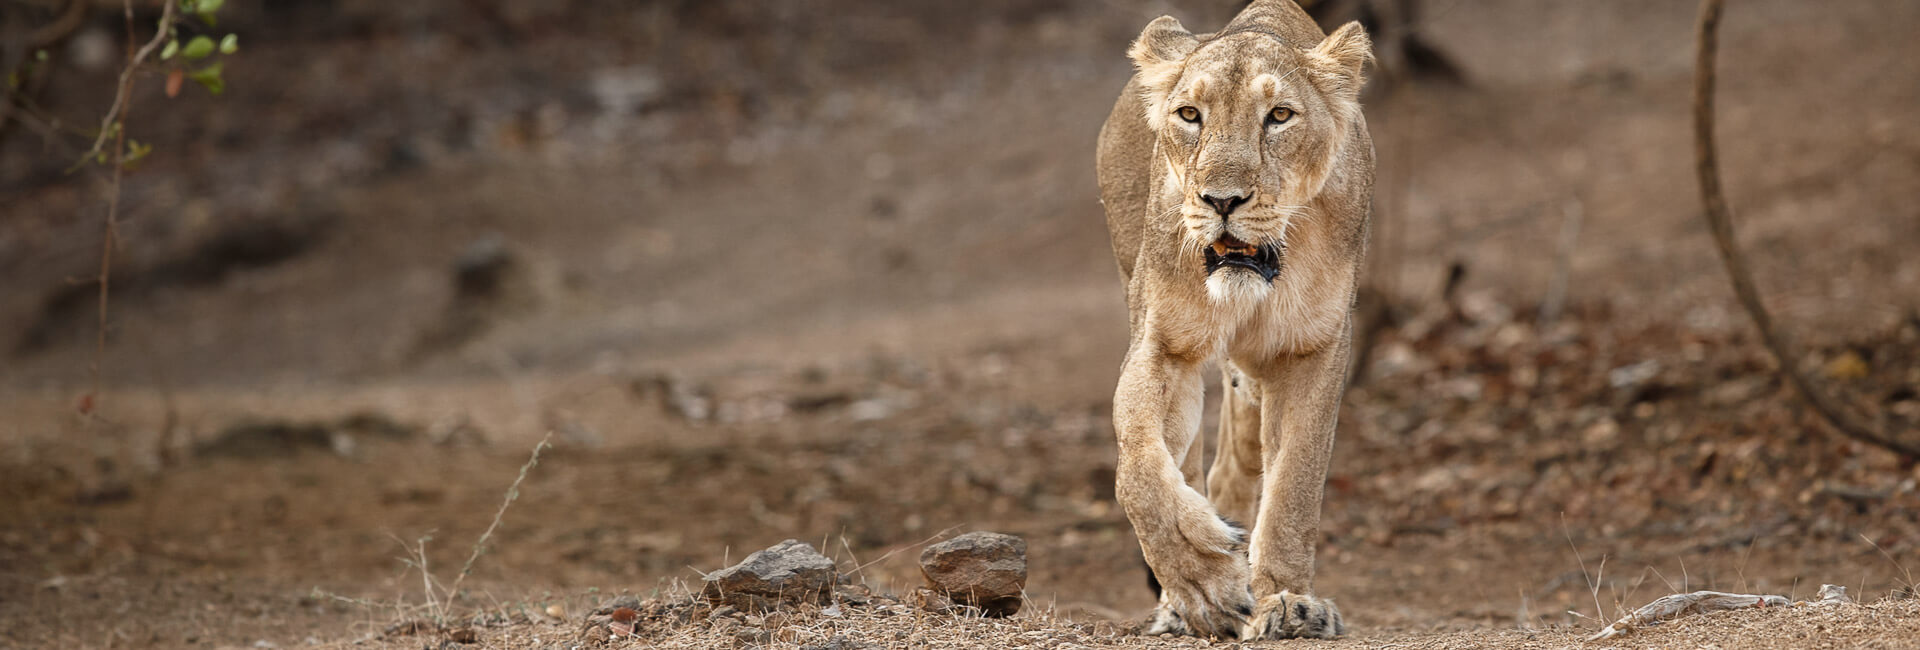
<point>1160,53</point>
<point>1341,61</point>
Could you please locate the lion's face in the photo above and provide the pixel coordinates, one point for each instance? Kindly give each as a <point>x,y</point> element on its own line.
<point>1249,129</point>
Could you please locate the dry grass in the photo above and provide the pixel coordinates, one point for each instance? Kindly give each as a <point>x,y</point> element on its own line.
<point>680,621</point>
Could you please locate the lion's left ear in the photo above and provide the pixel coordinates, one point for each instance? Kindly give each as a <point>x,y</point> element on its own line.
<point>1340,62</point>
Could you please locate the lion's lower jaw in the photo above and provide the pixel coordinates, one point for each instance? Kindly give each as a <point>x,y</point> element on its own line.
<point>1238,289</point>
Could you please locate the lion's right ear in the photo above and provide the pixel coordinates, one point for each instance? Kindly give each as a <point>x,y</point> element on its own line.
<point>1339,66</point>
<point>1160,53</point>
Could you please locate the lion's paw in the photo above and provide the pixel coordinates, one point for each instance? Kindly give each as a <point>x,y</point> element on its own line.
<point>1213,615</point>
<point>1209,598</point>
<point>1287,615</point>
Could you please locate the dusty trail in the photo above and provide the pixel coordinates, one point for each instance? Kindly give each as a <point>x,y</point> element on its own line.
<point>812,290</point>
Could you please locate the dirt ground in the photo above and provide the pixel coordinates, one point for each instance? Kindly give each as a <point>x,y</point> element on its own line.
<point>838,272</point>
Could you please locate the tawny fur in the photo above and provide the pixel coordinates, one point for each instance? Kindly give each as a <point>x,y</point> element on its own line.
<point>1285,345</point>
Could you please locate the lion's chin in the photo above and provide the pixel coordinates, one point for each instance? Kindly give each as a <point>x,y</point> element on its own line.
<point>1234,285</point>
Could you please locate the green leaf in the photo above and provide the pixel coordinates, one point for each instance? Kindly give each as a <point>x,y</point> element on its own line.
<point>188,6</point>
<point>40,55</point>
<point>198,48</point>
<point>209,6</point>
<point>210,77</point>
<point>173,47</point>
<point>230,44</point>
<point>208,18</point>
<point>136,150</point>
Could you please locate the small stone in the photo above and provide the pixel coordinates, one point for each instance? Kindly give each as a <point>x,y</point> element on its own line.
<point>841,642</point>
<point>557,611</point>
<point>790,572</point>
<point>853,594</point>
<point>629,602</point>
<point>979,569</point>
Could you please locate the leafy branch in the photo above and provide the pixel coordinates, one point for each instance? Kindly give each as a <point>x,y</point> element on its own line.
<point>166,40</point>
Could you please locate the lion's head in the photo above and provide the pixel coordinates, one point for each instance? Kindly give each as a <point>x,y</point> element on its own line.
<point>1249,129</point>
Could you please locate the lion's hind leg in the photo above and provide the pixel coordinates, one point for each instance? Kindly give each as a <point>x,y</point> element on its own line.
<point>1233,482</point>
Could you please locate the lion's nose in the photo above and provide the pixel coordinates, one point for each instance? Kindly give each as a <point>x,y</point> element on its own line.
<point>1223,203</point>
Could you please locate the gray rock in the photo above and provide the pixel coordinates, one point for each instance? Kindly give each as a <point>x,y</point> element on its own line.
<point>980,569</point>
<point>786,573</point>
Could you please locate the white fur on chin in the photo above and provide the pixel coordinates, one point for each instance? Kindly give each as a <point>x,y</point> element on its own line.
<point>1238,288</point>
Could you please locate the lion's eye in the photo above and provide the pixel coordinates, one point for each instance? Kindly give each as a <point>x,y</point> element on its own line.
<point>1189,114</point>
<point>1280,115</point>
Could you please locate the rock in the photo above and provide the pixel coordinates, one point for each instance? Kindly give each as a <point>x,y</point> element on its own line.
<point>853,594</point>
<point>786,573</point>
<point>979,569</point>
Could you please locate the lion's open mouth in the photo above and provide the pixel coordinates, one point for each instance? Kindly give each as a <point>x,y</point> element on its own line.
<point>1230,252</point>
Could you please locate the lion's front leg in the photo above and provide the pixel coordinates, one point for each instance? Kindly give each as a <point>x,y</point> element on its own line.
<point>1299,406</point>
<point>1199,560</point>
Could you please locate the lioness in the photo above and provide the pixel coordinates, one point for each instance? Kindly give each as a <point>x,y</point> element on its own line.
<point>1237,176</point>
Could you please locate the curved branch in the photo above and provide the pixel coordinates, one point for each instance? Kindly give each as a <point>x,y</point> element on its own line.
<point>1720,221</point>
<point>51,33</point>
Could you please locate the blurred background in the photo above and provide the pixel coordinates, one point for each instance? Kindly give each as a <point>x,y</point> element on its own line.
<point>836,270</point>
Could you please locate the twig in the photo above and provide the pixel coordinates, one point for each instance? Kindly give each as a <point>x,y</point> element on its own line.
<point>113,124</point>
<point>1720,221</point>
<point>1570,216</point>
<point>902,547</point>
<point>513,493</point>
<point>1667,608</point>
<point>1896,564</point>
<point>70,18</point>
<point>121,99</point>
<point>1592,585</point>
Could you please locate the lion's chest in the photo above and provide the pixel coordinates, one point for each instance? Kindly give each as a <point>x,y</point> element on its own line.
<point>1303,310</point>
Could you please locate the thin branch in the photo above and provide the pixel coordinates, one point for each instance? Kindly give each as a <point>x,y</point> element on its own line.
<point>126,75</point>
<point>1720,221</point>
<point>114,124</point>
